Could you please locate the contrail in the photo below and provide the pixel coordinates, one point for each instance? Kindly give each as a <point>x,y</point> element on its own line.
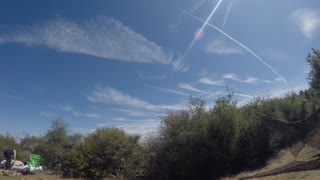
<point>240,44</point>
<point>227,15</point>
<point>201,29</point>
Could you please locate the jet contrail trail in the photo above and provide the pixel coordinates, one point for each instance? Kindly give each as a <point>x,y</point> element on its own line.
<point>227,15</point>
<point>201,29</point>
<point>240,44</point>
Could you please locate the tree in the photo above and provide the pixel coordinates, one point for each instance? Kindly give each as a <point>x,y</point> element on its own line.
<point>107,151</point>
<point>314,76</point>
<point>56,141</point>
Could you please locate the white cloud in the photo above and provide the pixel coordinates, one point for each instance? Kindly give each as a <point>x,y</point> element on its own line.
<point>84,131</point>
<point>179,66</point>
<point>275,93</point>
<point>102,37</point>
<point>190,88</point>
<point>278,93</point>
<point>214,94</point>
<point>221,48</point>
<point>119,119</point>
<point>140,127</point>
<point>308,21</point>
<point>249,79</point>
<point>197,4</point>
<point>69,108</point>
<point>131,112</point>
<point>47,114</point>
<point>230,76</point>
<point>110,95</point>
<point>253,80</point>
<point>88,115</point>
<point>170,91</point>
<point>244,95</point>
<point>211,82</point>
<point>203,72</point>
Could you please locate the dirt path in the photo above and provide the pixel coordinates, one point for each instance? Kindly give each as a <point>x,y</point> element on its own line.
<point>6,175</point>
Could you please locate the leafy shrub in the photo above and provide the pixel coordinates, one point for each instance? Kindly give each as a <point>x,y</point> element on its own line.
<point>107,151</point>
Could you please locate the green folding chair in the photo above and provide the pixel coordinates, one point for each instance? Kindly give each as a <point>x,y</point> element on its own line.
<point>34,160</point>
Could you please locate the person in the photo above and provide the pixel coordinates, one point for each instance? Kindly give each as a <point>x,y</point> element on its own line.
<point>9,154</point>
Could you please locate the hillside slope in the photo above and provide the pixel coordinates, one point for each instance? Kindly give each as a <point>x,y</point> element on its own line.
<point>300,161</point>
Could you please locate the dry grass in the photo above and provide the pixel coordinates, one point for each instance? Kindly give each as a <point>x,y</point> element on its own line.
<point>286,157</point>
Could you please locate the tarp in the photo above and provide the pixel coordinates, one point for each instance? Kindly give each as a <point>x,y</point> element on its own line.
<point>34,160</point>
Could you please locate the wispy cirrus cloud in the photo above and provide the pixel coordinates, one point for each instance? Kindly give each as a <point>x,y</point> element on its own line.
<point>254,80</point>
<point>308,21</point>
<point>102,37</point>
<point>131,112</point>
<point>244,95</point>
<point>211,82</point>
<point>275,93</point>
<point>69,108</point>
<point>222,48</point>
<point>84,131</point>
<point>137,126</point>
<point>249,79</point>
<point>198,4</point>
<point>280,92</point>
<point>230,76</point>
<point>190,88</point>
<point>47,114</point>
<point>105,94</point>
<point>214,94</point>
<point>203,72</point>
<point>170,91</point>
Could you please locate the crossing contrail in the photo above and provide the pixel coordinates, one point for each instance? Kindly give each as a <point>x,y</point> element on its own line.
<point>201,29</point>
<point>227,15</point>
<point>240,44</point>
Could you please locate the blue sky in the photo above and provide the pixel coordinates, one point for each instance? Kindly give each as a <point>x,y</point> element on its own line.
<point>126,63</point>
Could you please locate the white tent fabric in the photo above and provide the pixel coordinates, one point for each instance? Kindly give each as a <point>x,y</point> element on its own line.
<point>21,168</point>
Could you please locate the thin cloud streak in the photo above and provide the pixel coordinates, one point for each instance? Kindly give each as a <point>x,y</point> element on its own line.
<point>249,79</point>
<point>102,37</point>
<point>231,76</point>
<point>170,91</point>
<point>131,112</point>
<point>138,126</point>
<point>211,82</point>
<point>190,88</point>
<point>244,95</point>
<point>240,44</point>
<point>219,47</point>
<point>214,94</point>
<point>68,108</point>
<point>47,114</point>
<point>107,94</point>
<point>276,93</point>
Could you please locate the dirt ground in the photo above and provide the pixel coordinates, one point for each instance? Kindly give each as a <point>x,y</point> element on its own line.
<point>47,175</point>
<point>306,165</point>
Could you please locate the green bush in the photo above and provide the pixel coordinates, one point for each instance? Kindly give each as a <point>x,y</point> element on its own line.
<point>107,151</point>
<point>204,144</point>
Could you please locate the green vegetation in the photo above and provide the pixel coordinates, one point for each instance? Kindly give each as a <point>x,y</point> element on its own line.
<point>201,143</point>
